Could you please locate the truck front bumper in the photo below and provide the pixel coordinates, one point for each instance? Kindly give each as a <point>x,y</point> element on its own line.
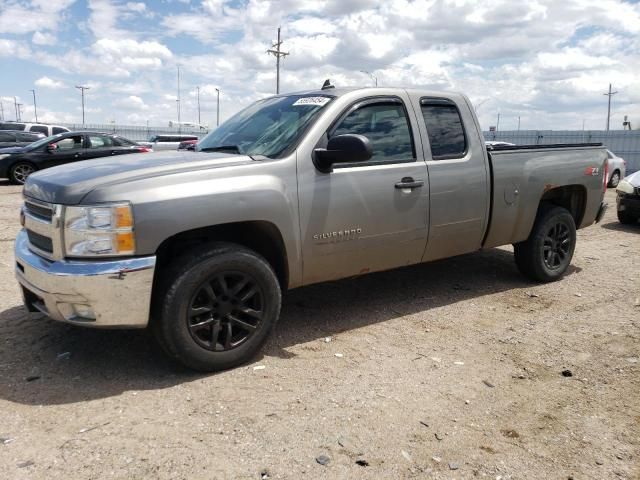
<point>94,293</point>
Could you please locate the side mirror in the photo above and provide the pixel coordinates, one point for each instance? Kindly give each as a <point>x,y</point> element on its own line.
<point>342,149</point>
<point>52,147</point>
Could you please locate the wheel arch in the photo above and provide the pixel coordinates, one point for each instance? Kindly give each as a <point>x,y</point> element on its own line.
<point>571,197</point>
<point>263,237</point>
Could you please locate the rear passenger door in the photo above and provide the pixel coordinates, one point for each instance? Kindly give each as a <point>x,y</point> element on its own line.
<point>99,146</point>
<point>459,181</point>
<point>7,139</point>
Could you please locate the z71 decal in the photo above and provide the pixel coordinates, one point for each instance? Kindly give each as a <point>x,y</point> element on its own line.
<point>592,171</point>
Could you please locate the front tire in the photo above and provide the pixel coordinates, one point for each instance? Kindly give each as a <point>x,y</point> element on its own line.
<point>19,172</point>
<point>625,218</point>
<point>216,307</point>
<point>547,253</point>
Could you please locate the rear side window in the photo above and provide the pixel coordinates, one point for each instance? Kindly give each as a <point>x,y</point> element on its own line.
<point>57,130</point>
<point>7,137</point>
<point>386,126</point>
<point>445,129</point>
<point>122,142</point>
<point>40,129</point>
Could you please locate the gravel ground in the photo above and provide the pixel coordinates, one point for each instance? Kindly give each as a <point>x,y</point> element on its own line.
<point>445,370</point>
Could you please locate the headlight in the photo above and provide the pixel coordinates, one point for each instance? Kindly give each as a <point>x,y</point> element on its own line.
<point>624,187</point>
<point>101,230</point>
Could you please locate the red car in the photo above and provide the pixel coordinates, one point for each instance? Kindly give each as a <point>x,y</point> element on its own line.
<point>188,145</point>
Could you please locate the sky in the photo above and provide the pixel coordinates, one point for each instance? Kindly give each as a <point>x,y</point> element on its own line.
<point>547,62</point>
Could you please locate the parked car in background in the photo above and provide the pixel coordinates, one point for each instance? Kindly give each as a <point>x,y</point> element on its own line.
<point>617,169</point>
<point>188,145</point>
<point>13,138</point>
<point>44,128</point>
<point>18,163</point>
<point>628,199</point>
<point>167,142</point>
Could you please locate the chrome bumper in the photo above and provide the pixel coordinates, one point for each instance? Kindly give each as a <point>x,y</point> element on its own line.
<point>95,293</point>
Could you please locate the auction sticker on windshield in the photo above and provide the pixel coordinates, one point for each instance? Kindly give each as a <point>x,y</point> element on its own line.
<point>311,101</point>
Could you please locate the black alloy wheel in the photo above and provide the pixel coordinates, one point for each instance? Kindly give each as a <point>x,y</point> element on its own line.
<point>557,246</point>
<point>225,311</point>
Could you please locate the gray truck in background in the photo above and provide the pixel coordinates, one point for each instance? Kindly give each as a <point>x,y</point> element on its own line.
<point>293,190</point>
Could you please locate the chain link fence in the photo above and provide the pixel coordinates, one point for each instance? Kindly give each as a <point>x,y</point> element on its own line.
<point>624,143</point>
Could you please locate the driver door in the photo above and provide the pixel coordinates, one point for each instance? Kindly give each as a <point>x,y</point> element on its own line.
<point>359,218</point>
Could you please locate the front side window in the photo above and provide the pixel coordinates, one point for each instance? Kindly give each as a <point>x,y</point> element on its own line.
<point>270,127</point>
<point>445,129</point>
<point>70,143</point>
<point>386,126</point>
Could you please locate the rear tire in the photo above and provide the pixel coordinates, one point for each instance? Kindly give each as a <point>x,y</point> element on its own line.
<point>215,307</point>
<point>615,179</point>
<point>625,218</point>
<point>547,253</point>
<point>20,171</point>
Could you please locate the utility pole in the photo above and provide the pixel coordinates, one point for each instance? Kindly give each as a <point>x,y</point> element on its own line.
<point>278,54</point>
<point>19,107</point>
<point>498,123</point>
<point>518,122</point>
<point>218,108</point>
<point>35,107</point>
<point>82,89</point>
<point>15,104</point>
<point>1,110</point>
<point>610,94</point>
<point>179,124</point>
<point>198,94</point>
<point>373,77</point>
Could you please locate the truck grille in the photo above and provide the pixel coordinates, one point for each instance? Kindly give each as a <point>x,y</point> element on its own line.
<point>42,224</point>
<point>40,241</point>
<point>39,210</point>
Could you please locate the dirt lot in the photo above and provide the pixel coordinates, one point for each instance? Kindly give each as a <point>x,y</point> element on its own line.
<point>446,370</point>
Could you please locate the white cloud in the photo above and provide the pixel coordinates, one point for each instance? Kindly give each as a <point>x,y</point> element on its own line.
<point>132,102</point>
<point>46,82</point>
<point>44,38</point>
<point>34,16</point>
<point>136,6</point>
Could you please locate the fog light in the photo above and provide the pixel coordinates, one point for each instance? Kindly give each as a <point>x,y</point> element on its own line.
<point>83,311</point>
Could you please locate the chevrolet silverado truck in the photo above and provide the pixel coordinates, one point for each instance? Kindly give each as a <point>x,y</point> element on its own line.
<point>293,190</point>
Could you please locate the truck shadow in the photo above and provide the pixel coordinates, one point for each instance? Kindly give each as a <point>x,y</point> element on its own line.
<point>46,363</point>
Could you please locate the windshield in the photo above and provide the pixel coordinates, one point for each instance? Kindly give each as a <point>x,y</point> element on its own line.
<point>44,141</point>
<point>268,127</point>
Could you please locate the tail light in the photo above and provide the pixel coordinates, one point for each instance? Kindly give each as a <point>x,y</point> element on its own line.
<point>605,176</point>
<point>144,149</point>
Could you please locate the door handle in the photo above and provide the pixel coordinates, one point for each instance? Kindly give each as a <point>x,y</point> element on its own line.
<point>409,182</point>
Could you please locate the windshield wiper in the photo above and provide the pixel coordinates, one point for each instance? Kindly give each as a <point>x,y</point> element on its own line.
<point>222,148</point>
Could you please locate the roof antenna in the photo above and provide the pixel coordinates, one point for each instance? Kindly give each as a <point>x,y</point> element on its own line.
<point>327,85</point>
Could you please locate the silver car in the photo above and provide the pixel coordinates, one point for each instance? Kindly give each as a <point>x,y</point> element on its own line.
<point>617,169</point>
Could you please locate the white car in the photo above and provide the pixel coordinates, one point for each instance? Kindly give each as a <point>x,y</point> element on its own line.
<point>617,169</point>
<point>167,142</point>
<point>628,199</point>
<point>43,128</point>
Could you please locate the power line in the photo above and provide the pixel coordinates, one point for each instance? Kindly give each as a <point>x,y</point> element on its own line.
<point>278,54</point>
<point>82,89</point>
<point>610,94</point>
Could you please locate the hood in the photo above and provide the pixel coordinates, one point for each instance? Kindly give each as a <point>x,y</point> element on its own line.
<point>634,179</point>
<point>68,184</point>
<point>11,150</point>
